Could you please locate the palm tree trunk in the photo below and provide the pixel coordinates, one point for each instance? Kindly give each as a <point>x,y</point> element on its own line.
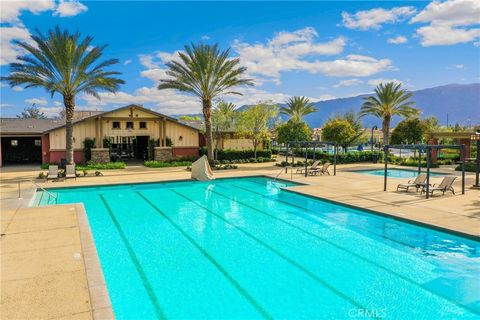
<point>207,114</point>
<point>386,130</point>
<point>69,102</point>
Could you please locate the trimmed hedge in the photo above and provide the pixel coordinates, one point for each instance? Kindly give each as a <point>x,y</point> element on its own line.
<point>469,167</point>
<point>349,157</point>
<point>166,164</point>
<point>238,154</point>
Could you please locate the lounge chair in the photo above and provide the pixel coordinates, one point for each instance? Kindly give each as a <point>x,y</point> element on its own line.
<point>322,170</point>
<point>312,167</point>
<point>52,173</point>
<point>70,171</point>
<point>417,183</point>
<point>444,186</point>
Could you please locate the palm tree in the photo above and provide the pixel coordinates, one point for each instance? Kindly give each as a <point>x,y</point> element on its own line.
<point>207,73</point>
<point>389,100</point>
<point>62,63</point>
<point>298,107</point>
<point>223,118</point>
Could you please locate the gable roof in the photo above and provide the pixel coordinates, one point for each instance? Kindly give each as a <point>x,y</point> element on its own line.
<point>122,108</point>
<point>23,126</point>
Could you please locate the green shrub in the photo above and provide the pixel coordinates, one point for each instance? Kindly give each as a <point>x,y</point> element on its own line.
<point>238,154</point>
<point>88,144</point>
<point>469,167</point>
<point>101,166</point>
<point>166,164</point>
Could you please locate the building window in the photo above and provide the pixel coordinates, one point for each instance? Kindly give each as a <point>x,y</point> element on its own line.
<point>115,125</point>
<point>143,125</point>
<point>14,143</point>
<point>38,143</point>
<point>129,125</point>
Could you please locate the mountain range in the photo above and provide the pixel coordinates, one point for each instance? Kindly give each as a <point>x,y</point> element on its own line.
<point>460,103</point>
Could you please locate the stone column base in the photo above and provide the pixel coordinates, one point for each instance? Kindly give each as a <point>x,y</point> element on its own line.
<point>100,155</point>
<point>163,154</point>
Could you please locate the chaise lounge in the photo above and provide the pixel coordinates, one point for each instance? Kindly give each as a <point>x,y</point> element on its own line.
<point>70,171</point>
<point>313,167</point>
<point>52,173</point>
<point>417,183</point>
<point>444,186</point>
<point>322,170</point>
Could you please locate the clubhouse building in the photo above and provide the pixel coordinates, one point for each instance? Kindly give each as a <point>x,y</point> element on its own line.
<point>123,133</point>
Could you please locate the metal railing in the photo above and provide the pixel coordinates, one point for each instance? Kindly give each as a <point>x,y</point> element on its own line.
<point>19,188</point>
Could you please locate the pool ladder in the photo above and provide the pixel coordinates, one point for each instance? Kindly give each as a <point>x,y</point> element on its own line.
<point>50,195</point>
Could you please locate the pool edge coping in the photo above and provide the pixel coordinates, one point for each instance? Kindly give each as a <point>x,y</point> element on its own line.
<point>98,292</point>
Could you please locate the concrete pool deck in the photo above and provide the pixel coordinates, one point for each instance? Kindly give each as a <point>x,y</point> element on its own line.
<point>50,268</point>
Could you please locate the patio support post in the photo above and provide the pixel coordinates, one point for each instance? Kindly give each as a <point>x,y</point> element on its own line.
<point>428,172</point>
<point>463,167</point>
<point>477,182</point>
<point>314,145</point>
<point>286,159</point>
<point>419,159</point>
<point>306,159</point>
<point>385,173</point>
<point>335,159</point>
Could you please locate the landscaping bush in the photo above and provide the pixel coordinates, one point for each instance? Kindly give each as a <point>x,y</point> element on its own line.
<point>469,167</point>
<point>101,166</point>
<point>238,154</point>
<point>88,144</point>
<point>166,164</point>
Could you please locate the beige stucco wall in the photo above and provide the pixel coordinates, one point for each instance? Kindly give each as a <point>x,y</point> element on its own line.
<point>181,135</point>
<point>239,144</point>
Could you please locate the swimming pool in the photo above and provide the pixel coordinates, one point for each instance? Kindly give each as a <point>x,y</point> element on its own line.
<point>396,173</point>
<point>243,248</point>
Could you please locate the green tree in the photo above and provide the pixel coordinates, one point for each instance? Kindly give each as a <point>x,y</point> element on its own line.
<point>389,100</point>
<point>223,118</point>
<point>190,118</point>
<point>206,72</point>
<point>293,131</point>
<point>338,130</point>
<point>409,131</point>
<point>62,62</point>
<point>298,107</point>
<point>32,112</point>
<point>256,121</point>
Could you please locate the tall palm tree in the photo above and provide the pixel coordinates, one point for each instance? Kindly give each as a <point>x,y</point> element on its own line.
<point>223,118</point>
<point>298,107</point>
<point>206,72</point>
<point>60,62</point>
<point>389,100</point>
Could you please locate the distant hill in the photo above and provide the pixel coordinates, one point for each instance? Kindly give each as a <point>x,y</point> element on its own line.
<point>460,101</point>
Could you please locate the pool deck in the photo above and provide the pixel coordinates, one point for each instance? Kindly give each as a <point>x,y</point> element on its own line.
<point>50,267</point>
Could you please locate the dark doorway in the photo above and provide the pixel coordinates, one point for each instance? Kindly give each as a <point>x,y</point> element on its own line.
<point>141,150</point>
<point>21,150</point>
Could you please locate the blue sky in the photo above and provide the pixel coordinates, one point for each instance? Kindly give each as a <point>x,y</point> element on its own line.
<point>321,50</point>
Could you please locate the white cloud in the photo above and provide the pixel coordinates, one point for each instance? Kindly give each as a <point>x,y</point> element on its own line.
<point>11,10</point>
<point>69,8</point>
<point>376,82</point>
<point>374,18</point>
<point>17,89</point>
<point>449,22</point>
<point>5,105</point>
<point>205,37</point>
<point>50,112</point>
<point>458,66</point>
<point>9,50</point>
<point>324,97</point>
<point>39,101</point>
<point>127,62</point>
<point>348,83</point>
<point>397,40</point>
<point>298,51</point>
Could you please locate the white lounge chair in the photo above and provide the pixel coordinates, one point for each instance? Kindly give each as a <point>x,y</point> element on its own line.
<point>417,183</point>
<point>52,173</point>
<point>444,186</point>
<point>312,167</point>
<point>70,171</point>
<point>322,170</point>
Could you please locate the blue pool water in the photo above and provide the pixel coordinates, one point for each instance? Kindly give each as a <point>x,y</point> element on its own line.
<point>396,173</point>
<point>244,249</point>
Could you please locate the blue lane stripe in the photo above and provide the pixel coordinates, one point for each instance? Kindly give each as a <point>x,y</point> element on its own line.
<point>151,293</point>
<point>220,268</point>
<point>350,252</point>
<point>281,255</point>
